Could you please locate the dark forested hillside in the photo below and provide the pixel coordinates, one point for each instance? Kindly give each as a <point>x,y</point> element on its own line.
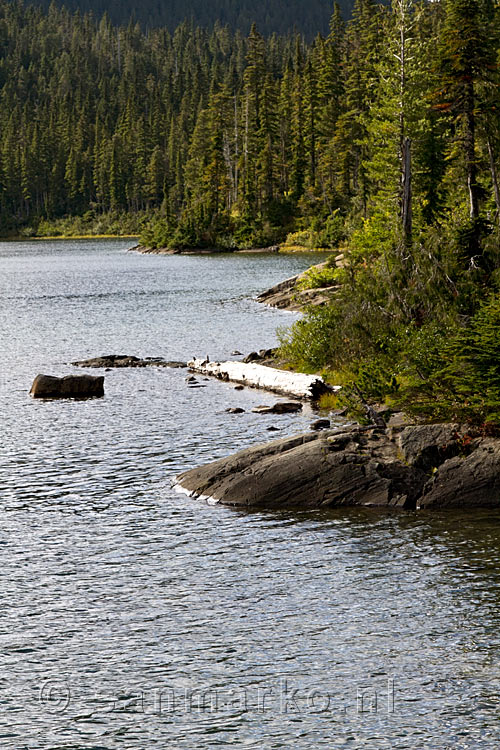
<point>382,137</point>
<point>236,139</point>
<point>272,16</point>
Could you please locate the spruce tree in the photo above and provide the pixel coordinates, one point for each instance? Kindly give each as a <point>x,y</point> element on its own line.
<point>466,63</point>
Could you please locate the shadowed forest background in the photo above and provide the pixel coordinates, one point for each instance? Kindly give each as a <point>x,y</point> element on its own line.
<point>274,16</point>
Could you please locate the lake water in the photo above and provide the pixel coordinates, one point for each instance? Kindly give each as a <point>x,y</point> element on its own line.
<point>134,617</point>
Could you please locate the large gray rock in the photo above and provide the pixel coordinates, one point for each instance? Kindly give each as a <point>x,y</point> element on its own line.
<point>427,466</point>
<point>71,386</point>
<point>321,424</point>
<point>427,446</point>
<point>281,295</point>
<point>467,481</point>
<point>260,356</point>
<point>311,471</point>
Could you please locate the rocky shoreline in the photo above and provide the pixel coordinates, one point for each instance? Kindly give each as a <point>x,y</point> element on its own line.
<point>200,250</point>
<point>288,294</point>
<point>400,466</point>
<point>417,467</point>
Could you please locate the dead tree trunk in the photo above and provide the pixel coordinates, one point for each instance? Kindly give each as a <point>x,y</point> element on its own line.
<point>404,10</point>
<point>494,178</point>
<point>406,213</point>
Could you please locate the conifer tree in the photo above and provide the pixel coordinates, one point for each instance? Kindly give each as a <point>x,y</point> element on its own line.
<point>467,59</point>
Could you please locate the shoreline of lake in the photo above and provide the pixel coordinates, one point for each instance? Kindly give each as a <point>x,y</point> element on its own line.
<point>410,467</point>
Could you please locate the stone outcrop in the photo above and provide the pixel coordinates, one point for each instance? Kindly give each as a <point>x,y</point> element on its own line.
<point>70,386</point>
<point>435,466</point>
<point>126,360</point>
<point>428,446</point>
<point>281,295</point>
<point>287,295</point>
<point>467,481</point>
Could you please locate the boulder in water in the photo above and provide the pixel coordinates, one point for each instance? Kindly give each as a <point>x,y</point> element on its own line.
<point>280,407</point>
<point>321,424</point>
<point>70,386</point>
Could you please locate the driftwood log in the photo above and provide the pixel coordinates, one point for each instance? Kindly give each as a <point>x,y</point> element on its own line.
<point>294,384</point>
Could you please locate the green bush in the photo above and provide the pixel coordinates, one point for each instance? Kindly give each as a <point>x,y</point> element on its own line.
<point>305,238</point>
<point>319,234</point>
<point>316,278</point>
<point>333,233</point>
<point>465,380</point>
<point>352,328</point>
<point>374,239</point>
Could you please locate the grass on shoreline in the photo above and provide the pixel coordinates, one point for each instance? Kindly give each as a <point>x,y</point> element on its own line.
<point>284,248</point>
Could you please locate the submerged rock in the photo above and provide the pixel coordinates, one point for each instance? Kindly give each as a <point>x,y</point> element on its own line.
<point>321,424</point>
<point>357,466</point>
<point>125,360</point>
<point>70,386</point>
<point>280,407</point>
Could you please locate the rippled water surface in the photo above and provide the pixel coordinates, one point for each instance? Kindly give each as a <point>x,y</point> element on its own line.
<point>133,617</point>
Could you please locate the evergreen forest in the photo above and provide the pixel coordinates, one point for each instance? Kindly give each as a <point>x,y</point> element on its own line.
<point>379,139</point>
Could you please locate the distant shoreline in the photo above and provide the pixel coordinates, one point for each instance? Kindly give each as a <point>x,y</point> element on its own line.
<point>67,237</point>
<point>285,249</point>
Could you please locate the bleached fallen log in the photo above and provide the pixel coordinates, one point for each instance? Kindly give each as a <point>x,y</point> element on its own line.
<point>294,384</point>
